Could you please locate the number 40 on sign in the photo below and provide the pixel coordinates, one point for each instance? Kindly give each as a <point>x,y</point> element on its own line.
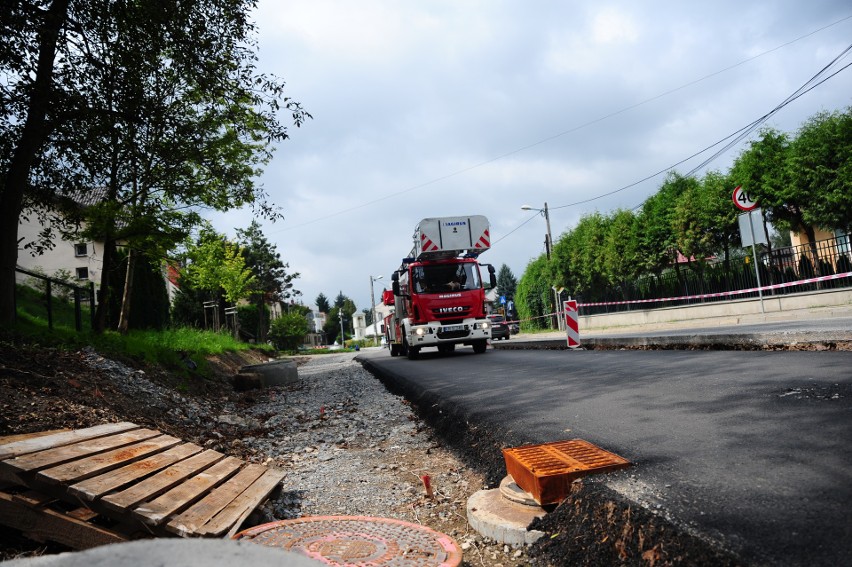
<point>742,199</point>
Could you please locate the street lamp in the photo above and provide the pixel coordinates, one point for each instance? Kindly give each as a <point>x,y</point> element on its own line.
<point>549,240</point>
<point>373,301</point>
<point>548,244</point>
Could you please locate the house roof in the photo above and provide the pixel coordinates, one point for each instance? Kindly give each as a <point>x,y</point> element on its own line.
<point>87,197</point>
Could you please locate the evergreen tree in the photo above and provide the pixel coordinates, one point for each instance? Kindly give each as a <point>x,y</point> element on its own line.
<point>506,282</point>
<point>323,306</point>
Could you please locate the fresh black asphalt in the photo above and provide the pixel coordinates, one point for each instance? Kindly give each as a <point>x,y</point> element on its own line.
<point>749,450</point>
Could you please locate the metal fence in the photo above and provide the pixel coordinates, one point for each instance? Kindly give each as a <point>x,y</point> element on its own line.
<point>56,301</point>
<point>781,269</point>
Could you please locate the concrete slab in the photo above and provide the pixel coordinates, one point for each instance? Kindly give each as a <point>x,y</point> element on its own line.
<point>502,519</point>
<point>275,373</point>
<point>172,552</point>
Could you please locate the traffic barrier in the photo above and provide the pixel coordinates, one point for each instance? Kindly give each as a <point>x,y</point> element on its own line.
<point>572,325</point>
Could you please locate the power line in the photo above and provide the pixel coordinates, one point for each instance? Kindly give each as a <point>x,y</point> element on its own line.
<point>737,136</point>
<point>560,134</point>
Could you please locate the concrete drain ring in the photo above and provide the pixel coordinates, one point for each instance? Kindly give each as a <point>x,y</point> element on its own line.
<point>358,540</point>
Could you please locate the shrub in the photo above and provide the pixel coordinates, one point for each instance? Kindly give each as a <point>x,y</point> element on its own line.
<point>288,331</point>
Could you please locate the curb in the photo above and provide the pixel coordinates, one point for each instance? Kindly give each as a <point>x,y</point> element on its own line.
<point>828,340</point>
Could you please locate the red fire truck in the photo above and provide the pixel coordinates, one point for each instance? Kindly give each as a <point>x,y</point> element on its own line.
<point>438,293</point>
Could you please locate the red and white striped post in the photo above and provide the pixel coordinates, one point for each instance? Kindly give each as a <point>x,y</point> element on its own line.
<point>572,325</point>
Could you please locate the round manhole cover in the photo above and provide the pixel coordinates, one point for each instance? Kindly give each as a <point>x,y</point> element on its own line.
<point>358,540</point>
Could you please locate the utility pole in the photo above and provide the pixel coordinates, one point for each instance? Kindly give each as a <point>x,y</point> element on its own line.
<point>373,301</point>
<point>548,246</point>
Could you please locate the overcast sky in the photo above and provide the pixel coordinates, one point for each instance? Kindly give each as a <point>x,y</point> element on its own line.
<point>453,107</point>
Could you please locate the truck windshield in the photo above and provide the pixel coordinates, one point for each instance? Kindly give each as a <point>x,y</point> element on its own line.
<point>442,278</point>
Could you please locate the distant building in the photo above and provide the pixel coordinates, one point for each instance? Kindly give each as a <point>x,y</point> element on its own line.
<point>317,320</point>
<point>80,258</point>
<point>379,315</point>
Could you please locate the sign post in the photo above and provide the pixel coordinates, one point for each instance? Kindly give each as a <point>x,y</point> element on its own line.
<point>745,203</point>
<point>557,292</point>
<point>572,327</point>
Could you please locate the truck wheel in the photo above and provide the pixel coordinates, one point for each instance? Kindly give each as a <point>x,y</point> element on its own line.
<point>403,349</point>
<point>479,346</point>
<point>394,348</point>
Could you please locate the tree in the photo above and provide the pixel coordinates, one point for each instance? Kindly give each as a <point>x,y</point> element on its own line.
<point>29,41</point>
<point>579,254</point>
<point>761,170</point>
<point>270,271</point>
<point>533,293</point>
<point>621,248</point>
<point>323,306</point>
<point>820,163</point>
<point>345,307</point>
<point>216,264</point>
<point>288,331</point>
<point>271,280</point>
<point>506,282</point>
<point>150,306</point>
<point>159,103</point>
<point>691,223</point>
<point>188,305</point>
<point>657,240</point>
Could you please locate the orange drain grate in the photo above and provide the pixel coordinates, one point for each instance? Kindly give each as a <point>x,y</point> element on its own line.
<point>546,471</point>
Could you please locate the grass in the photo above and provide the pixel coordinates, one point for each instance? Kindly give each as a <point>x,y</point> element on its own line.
<point>168,348</point>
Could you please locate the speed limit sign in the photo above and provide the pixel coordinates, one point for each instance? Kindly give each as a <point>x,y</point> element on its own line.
<point>742,200</point>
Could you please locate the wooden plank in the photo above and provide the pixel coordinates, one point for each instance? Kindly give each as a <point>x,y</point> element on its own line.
<point>47,525</point>
<point>84,514</point>
<point>33,498</point>
<point>96,487</point>
<point>38,442</point>
<point>230,518</point>
<point>81,469</point>
<point>164,480</point>
<point>32,462</point>
<point>180,497</point>
<point>9,439</point>
<point>202,511</point>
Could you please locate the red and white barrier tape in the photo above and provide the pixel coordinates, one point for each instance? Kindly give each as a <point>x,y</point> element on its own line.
<point>724,293</point>
<point>703,296</point>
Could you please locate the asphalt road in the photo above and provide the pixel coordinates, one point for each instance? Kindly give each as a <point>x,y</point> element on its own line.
<point>748,449</point>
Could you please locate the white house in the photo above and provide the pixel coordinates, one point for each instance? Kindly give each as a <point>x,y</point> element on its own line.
<point>381,311</point>
<point>82,259</point>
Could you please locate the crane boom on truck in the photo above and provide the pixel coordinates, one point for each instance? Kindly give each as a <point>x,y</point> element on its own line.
<point>438,293</point>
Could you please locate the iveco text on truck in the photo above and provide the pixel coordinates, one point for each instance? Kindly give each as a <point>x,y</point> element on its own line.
<point>438,293</point>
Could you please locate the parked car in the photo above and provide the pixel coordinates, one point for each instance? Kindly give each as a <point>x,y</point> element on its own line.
<point>499,327</point>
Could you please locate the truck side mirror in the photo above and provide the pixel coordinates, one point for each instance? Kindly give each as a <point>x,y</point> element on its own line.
<point>492,277</point>
<point>395,287</point>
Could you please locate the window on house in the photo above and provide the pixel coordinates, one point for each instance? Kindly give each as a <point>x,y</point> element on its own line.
<point>81,249</point>
<point>82,273</point>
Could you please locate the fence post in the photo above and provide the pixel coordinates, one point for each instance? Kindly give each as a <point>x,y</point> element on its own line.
<point>78,313</point>
<point>49,291</point>
<point>92,305</point>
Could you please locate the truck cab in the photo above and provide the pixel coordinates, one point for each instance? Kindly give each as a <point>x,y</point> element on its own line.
<point>438,291</point>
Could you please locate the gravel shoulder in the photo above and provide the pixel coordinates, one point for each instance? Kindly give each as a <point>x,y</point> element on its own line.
<point>346,444</point>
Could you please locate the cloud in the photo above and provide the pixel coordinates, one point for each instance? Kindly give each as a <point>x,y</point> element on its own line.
<point>445,108</point>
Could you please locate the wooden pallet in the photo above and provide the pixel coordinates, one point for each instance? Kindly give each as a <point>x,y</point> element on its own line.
<point>120,481</point>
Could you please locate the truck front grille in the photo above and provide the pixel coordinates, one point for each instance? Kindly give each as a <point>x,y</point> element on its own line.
<point>453,334</point>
